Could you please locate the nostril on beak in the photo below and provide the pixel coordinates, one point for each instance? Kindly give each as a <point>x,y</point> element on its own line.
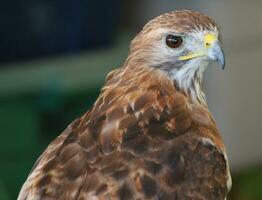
<point>209,39</point>
<point>208,44</point>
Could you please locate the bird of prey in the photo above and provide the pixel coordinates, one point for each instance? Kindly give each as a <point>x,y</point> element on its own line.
<point>149,135</point>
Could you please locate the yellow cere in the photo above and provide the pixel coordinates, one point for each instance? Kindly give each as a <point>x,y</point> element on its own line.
<point>209,38</point>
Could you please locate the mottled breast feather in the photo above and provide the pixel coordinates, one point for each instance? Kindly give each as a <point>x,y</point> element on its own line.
<point>142,139</point>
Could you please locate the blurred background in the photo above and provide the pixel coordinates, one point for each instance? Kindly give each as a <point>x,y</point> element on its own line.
<point>55,54</point>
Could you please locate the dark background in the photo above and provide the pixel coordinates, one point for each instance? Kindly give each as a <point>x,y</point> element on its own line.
<point>55,54</point>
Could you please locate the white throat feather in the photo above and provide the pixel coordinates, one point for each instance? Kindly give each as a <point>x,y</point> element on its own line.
<point>189,78</point>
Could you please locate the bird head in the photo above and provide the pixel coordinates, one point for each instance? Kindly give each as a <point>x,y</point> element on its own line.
<point>181,44</point>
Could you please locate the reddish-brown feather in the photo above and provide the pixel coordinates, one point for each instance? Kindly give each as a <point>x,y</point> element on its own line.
<point>142,139</point>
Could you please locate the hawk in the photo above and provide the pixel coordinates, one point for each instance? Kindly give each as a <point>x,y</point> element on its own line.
<point>149,135</point>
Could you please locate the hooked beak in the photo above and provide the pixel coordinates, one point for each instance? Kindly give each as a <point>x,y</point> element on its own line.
<point>216,54</point>
<point>212,50</point>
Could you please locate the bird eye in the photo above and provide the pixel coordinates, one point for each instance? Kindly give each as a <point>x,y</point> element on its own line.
<point>174,41</point>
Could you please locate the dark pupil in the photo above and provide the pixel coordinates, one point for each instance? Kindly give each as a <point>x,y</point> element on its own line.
<point>174,41</point>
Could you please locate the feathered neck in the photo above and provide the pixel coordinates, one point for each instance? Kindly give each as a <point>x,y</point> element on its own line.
<point>133,77</point>
<point>139,76</point>
<point>188,79</point>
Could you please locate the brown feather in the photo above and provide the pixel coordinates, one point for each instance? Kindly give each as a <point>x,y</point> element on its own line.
<point>141,140</point>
